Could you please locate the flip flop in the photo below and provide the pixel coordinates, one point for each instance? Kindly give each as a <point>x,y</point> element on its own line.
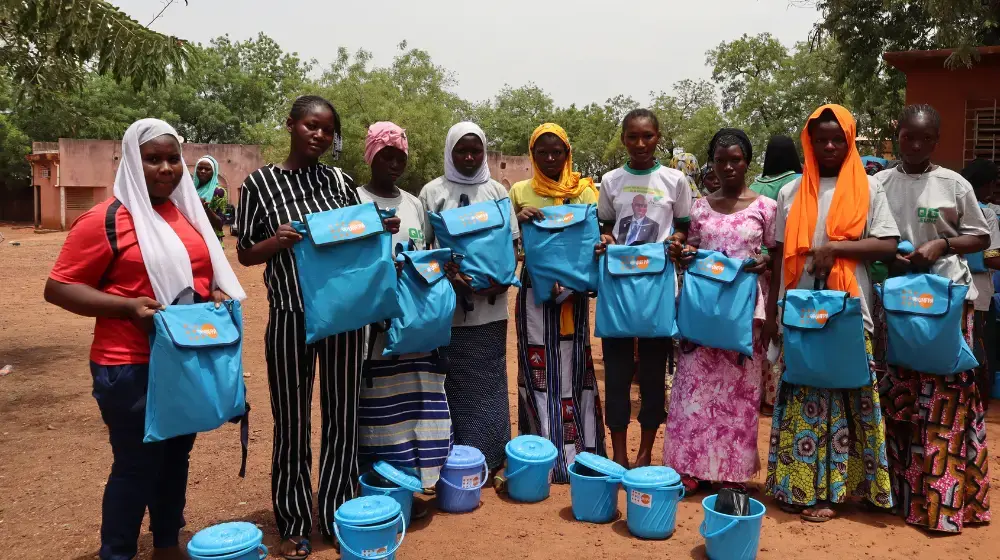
<point>814,518</point>
<point>302,549</point>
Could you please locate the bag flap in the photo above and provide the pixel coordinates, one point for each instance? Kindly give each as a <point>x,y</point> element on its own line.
<point>429,265</point>
<point>474,218</point>
<point>636,260</point>
<point>715,266</point>
<point>200,325</point>
<point>563,216</point>
<point>344,224</point>
<point>812,309</point>
<point>917,294</point>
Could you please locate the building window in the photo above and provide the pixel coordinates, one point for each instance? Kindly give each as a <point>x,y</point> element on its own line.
<point>45,172</point>
<point>503,165</point>
<point>982,130</point>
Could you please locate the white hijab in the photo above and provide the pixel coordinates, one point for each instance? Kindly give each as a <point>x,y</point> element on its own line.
<point>167,261</point>
<point>454,135</point>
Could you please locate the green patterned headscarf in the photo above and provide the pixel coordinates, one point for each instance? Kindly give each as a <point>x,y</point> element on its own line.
<point>207,191</point>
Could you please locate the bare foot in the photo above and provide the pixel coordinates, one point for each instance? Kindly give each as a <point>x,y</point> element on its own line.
<point>171,553</point>
<point>820,513</point>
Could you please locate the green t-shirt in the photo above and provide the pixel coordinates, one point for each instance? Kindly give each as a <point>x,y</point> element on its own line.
<point>769,186</point>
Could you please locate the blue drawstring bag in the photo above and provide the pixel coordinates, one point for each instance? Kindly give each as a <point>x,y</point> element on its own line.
<point>428,302</point>
<point>923,316</point>
<point>195,370</point>
<point>560,249</point>
<point>824,340</point>
<point>637,293</point>
<point>717,302</point>
<point>346,272</point>
<point>977,261</point>
<point>481,234</point>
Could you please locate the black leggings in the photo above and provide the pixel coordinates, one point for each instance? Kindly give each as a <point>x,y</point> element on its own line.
<point>619,363</point>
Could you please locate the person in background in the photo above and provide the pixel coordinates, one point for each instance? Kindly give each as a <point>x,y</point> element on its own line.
<point>415,431</point>
<point>936,424</point>
<point>477,356</point>
<point>711,432</point>
<point>827,446</point>
<point>556,384</point>
<point>781,166</point>
<point>688,165</point>
<point>270,199</point>
<point>709,180</point>
<point>122,261</point>
<point>982,175</point>
<point>667,197</point>
<point>206,180</point>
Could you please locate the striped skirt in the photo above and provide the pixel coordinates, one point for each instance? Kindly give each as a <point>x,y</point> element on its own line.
<point>403,416</point>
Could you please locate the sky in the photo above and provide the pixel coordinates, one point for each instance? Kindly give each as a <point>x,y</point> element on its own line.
<point>578,51</point>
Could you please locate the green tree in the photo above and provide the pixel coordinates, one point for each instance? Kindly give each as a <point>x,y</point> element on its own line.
<point>510,118</point>
<point>689,117</point>
<point>48,45</point>
<point>413,92</point>
<point>595,133</point>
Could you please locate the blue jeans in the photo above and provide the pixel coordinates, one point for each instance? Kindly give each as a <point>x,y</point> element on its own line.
<point>152,475</point>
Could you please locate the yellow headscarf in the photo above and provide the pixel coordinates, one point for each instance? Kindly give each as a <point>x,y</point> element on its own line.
<point>569,185</point>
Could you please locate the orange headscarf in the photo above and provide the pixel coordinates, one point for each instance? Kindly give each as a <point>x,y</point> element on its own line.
<point>570,183</point>
<point>848,210</point>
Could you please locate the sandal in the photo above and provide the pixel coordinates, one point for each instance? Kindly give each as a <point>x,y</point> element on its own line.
<point>691,485</point>
<point>302,548</point>
<point>815,516</point>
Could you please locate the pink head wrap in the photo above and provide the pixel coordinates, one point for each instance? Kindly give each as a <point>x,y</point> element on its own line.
<point>381,135</point>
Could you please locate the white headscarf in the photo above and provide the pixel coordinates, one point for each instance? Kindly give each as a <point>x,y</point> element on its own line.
<point>454,135</point>
<point>167,261</point>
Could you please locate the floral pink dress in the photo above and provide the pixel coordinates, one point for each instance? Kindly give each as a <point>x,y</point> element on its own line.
<point>711,429</point>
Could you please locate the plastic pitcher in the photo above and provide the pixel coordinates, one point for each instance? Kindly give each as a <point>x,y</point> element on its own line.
<point>529,465</point>
<point>370,527</point>
<point>653,494</point>
<point>387,480</point>
<point>462,479</point>
<point>228,541</point>
<point>593,486</point>
<point>731,537</point>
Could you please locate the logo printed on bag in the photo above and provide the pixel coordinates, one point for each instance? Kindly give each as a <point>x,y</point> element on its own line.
<point>634,263</point>
<point>196,332</point>
<point>814,316</point>
<point>912,299</point>
<point>561,219</point>
<point>341,230</point>
<point>712,267</point>
<point>469,220</point>
<point>431,269</point>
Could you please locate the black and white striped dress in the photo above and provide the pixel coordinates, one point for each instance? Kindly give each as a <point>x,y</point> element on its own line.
<point>269,198</point>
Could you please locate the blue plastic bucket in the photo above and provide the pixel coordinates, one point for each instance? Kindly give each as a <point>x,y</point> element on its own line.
<point>370,528</point>
<point>462,478</point>
<point>593,488</point>
<point>386,480</point>
<point>996,385</point>
<point>653,494</point>
<point>529,465</point>
<point>228,541</point>
<point>730,537</point>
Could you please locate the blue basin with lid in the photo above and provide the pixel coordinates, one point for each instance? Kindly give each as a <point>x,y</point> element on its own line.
<point>462,479</point>
<point>398,484</point>
<point>236,540</point>
<point>369,527</point>
<point>593,486</point>
<point>529,467</point>
<point>653,494</point>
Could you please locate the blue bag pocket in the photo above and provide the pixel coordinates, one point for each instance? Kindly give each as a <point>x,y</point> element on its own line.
<point>345,270</point>
<point>560,249</point>
<point>824,340</point>
<point>977,262</point>
<point>482,235</point>
<point>923,315</point>
<point>637,293</point>
<point>717,302</point>
<point>195,370</point>
<point>428,302</point>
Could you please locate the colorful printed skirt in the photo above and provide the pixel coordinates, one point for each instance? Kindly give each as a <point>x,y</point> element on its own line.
<point>937,446</point>
<point>828,446</point>
<point>403,416</point>
<point>556,386</point>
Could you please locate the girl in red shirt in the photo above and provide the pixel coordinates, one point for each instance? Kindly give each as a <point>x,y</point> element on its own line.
<point>101,272</point>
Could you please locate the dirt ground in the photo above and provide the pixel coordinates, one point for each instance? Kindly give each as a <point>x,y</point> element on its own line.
<point>55,459</point>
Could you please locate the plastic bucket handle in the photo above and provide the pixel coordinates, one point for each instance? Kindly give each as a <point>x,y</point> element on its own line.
<point>399,542</point>
<point>262,552</point>
<point>486,474</point>
<point>704,526</point>
<point>518,471</point>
